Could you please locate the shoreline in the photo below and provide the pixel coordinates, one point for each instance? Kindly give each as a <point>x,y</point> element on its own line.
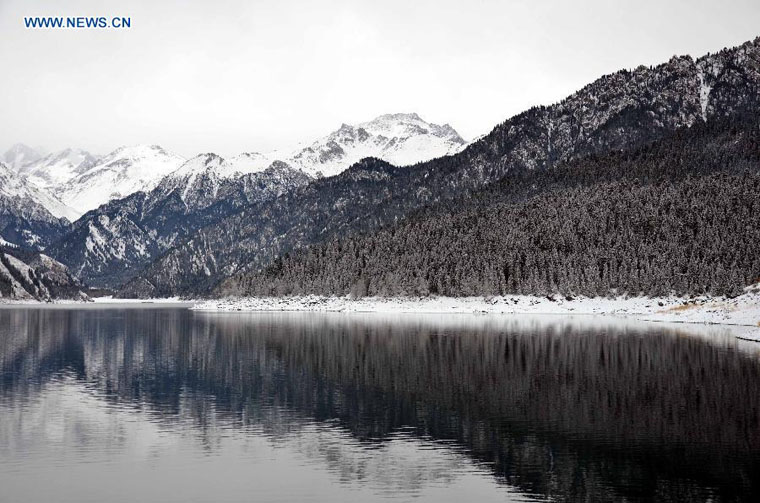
<point>742,311</point>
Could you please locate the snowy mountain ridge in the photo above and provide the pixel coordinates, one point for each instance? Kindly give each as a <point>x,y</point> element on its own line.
<point>25,219</point>
<point>108,244</point>
<point>19,155</point>
<point>20,189</point>
<point>57,168</point>
<point>401,139</point>
<point>124,171</point>
<point>82,182</point>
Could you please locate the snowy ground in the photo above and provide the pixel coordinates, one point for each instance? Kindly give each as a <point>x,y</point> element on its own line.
<point>742,311</point>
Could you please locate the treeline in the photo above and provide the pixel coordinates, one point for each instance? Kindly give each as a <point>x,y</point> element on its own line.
<point>681,215</point>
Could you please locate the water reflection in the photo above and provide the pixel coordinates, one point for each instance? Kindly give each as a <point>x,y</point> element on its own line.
<point>364,406</point>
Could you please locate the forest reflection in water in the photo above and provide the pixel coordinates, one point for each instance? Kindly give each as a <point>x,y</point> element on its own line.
<point>338,406</point>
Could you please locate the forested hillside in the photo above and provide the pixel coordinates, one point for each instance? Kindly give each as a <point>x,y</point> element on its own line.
<point>621,111</point>
<point>680,215</point>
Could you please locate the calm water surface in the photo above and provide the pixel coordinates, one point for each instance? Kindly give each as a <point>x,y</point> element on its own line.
<point>135,404</point>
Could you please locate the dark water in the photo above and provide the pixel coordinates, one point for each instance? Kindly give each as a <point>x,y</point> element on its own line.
<point>170,405</point>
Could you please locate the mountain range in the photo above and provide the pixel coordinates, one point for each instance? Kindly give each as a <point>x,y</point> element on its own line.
<point>618,112</point>
<point>148,222</point>
<point>169,197</point>
<point>77,181</point>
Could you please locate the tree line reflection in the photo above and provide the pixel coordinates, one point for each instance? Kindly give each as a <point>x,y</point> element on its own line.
<point>558,408</point>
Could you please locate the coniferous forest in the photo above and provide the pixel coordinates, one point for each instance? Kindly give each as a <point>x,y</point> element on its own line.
<point>680,215</point>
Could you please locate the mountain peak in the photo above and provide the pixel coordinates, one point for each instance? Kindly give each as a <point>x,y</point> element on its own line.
<point>398,117</point>
<point>57,168</point>
<point>405,125</point>
<point>126,170</point>
<point>401,139</point>
<point>20,154</point>
<point>198,164</point>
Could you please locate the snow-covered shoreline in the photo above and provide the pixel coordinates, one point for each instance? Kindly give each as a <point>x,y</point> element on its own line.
<point>741,311</point>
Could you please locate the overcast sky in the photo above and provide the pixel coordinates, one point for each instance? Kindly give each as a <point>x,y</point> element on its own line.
<point>244,75</point>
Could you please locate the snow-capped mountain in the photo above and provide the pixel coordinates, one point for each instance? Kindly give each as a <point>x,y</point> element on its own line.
<point>400,139</point>
<point>17,187</point>
<point>198,176</point>
<point>111,243</point>
<point>24,218</point>
<point>207,178</point>
<point>82,182</point>
<point>56,169</point>
<point>247,162</point>
<point>124,171</point>
<point>19,155</point>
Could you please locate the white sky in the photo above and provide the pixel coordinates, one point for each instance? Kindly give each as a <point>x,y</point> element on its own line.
<point>246,75</point>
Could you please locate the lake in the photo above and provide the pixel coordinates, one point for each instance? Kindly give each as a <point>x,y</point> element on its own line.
<point>133,403</point>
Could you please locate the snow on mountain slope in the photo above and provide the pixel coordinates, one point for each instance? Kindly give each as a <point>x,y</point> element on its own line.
<point>58,168</point>
<point>80,182</point>
<point>122,172</point>
<point>401,139</point>
<point>198,176</point>
<point>83,182</point>
<point>206,178</point>
<point>110,244</point>
<point>19,155</point>
<point>17,187</point>
<point>248,162</point>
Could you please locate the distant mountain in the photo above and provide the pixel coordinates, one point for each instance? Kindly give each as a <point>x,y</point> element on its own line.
<point>111,243</point>
<point>124,171</point>
<point>30,275</point>
<point>83,182</point>
<point>207,188</point>
<point>25,212</point>
<point>621,111</point>
<point>56,169</point>
<point>19,155</point>
<point>400,139</point>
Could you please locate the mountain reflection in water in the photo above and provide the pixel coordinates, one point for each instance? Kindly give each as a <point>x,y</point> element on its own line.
<point>168,404</point>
